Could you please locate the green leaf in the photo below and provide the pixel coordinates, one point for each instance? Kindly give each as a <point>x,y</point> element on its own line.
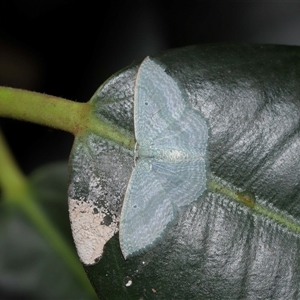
<point>29,267</point>
<point>49,185</point>
<point>241,239</point>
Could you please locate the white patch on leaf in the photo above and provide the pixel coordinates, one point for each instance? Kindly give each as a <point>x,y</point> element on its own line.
<point>90,232</point>
<point>129,283</point>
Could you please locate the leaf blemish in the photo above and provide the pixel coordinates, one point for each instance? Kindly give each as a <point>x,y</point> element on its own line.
<point>90,231</point>
<point>247,197</point>
<point>127,281</point>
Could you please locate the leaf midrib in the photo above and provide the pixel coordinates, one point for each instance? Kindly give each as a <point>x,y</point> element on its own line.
<point>258,208</point>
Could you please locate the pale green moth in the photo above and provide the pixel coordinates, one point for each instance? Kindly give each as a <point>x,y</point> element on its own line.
<point>171,158</point>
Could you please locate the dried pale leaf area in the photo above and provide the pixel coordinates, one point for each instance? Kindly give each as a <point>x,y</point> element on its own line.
<point>90,230</point>
<point>94,211</point>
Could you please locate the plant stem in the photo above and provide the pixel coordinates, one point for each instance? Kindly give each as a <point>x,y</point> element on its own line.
<point>110,132</point>
<point>58,113</point>
<point>16,191</point>
<point>12,181</point>
<point>43,109</point>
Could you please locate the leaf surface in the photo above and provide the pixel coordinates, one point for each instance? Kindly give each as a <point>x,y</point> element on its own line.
<point>241,238</point>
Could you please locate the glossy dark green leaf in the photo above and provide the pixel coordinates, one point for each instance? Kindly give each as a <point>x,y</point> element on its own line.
<point>241,239</point>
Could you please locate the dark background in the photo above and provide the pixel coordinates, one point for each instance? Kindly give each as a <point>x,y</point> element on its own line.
<point>68,48</point>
